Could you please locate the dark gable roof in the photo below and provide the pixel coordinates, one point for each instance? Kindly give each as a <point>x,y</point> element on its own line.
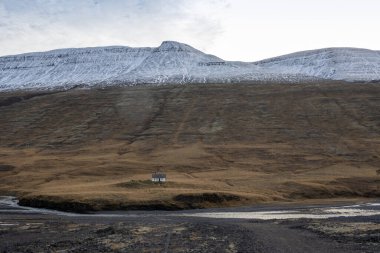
<point>158,175</point>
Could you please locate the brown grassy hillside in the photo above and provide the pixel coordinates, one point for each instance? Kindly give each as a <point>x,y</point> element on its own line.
<point>247,143</point>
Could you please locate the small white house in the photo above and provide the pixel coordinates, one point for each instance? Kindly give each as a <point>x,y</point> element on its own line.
<point>159,177</point>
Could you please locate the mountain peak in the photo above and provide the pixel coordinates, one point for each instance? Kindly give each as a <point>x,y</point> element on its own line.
<point>175,46</point>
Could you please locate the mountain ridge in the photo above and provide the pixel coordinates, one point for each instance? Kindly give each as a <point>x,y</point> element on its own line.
<point>174,62</point>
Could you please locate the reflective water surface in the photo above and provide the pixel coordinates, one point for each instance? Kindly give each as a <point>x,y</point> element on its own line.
<point>10,205</point>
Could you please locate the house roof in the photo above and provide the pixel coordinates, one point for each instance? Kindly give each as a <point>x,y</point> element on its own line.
<point>158,175</point>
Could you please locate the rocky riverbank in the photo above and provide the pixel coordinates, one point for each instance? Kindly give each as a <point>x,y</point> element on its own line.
<point>36,231</point>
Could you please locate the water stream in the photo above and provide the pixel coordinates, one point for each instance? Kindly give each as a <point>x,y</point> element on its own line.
<point>10,205</point>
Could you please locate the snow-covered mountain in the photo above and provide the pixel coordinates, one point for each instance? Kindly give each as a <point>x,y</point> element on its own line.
<point>68,66</point>
<point>349,64</point>
<point>174,62</point>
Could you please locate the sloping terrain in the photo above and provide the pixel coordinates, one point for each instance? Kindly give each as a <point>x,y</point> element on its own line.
<point>64,66</point>
<point>177,63</point>
<point>220,145</point>
<point>350,64</point>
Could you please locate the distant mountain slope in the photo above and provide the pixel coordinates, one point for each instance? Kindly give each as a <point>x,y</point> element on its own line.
<point>350,64</point>
<point>68,66</point>
<point>174,62</point>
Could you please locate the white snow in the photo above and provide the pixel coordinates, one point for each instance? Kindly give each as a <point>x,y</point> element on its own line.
<point>174,62</point>
<point>349,64</point>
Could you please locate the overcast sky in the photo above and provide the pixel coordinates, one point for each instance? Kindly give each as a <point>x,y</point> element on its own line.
<point>231,29</point>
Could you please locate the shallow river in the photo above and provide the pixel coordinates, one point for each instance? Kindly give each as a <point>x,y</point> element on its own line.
<point>10,205</point>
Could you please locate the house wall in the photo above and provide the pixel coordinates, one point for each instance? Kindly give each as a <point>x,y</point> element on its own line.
<point>158,179</point>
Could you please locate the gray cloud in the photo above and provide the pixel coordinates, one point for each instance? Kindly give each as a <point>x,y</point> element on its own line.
<point>35,25</point>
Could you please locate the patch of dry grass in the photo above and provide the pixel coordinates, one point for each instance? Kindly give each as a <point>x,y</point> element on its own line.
<point>261,142</point>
